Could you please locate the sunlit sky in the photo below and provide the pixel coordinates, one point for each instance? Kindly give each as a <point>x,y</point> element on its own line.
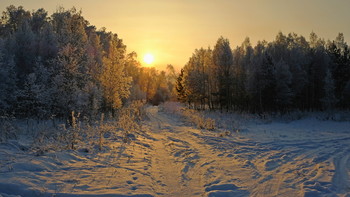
<point>172,29</point>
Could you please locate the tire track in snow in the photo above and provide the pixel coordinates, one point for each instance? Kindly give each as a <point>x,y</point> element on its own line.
<point>281,167</point>
<point>174,157</point>
<point>188,165</point>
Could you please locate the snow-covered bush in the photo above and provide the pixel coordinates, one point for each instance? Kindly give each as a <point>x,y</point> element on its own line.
<point>193,116</point>
<point>105,127</point>
<point>46,138</point>
<point>129,118</point>
<point>198,119</point>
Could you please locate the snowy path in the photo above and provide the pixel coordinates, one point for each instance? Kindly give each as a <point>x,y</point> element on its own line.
<point>201,163</point>
<point>172,158</point>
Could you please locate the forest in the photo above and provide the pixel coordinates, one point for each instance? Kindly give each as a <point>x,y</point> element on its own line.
<point>289,73</point>
<point>53,65</point>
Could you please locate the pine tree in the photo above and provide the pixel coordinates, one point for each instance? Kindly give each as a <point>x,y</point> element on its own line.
<point>181,95</point>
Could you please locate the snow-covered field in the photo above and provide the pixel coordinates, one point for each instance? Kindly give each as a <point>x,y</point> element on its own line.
<point>243,156</point>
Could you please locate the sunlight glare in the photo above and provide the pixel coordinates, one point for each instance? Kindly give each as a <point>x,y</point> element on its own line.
<point>148,58</point>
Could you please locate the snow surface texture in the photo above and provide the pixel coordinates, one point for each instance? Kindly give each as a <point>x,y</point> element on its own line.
<point>170,157</point>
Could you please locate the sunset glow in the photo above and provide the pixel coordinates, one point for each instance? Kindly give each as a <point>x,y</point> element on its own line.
<point>176,28</point>
<point>148,58</point>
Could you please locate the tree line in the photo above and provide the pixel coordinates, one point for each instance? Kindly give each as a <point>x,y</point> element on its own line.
<point>286,74</point>
<point>53,65</point>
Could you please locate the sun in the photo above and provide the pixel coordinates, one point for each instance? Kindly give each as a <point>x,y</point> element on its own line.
<point>148,58</point>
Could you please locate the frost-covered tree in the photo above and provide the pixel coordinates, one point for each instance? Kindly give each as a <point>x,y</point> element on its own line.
<point>39,19</point>
<point>162,93</point>
<point>298,61</point>
<point>47,44</point>
<point>272,76</point>
<point>339,52</point>
<point>253,80</point>
<point>28,101</point>
<point>196,79</point>
<point>319,63</point>
<point>242,60</point>
<point>199,79</point>
<point>12,19</point>
<point>148,83</point>
<point>61,63</point>
<point>94,53</point>
<point>223,60</point>
<point>24,50</point>
<point>133,70</point>
<point>68,82</point>
<point>171,81</point>
<point>44,89</point>
<point>266,83</point>
<point>115,83</point>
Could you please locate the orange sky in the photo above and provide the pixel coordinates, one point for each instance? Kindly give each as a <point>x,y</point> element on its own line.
<point>172,29</point>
